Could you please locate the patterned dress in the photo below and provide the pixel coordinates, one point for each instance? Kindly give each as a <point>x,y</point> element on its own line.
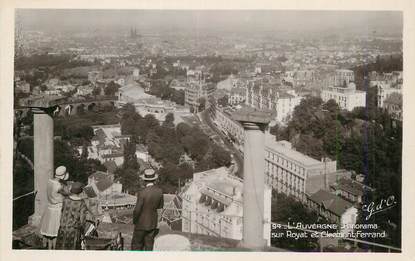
<point>73,218</point>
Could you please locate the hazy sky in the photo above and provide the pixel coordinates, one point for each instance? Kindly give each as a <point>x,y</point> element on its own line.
<point>238,20</point>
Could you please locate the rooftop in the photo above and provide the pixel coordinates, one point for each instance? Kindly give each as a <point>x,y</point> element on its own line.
<point>248,114</point>
<point>315,183</point>
<point>287,152</point>
<point>331,202</point>
<point>111,166</point>
<point>118,199</point>
<point>350,186</point>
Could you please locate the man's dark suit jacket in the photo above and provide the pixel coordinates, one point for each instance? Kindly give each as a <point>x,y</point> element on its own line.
<point>145,213</point>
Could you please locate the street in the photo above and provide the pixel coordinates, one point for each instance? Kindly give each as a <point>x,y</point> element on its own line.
<point>237,157</point>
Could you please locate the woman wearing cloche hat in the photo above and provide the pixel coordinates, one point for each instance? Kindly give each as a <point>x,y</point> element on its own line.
<point>50,221</point>
<point>73,219</point>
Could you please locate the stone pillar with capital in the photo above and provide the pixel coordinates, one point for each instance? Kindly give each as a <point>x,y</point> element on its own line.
<point>254,123</point>
<point>43,159</point>
<point>43,109</point>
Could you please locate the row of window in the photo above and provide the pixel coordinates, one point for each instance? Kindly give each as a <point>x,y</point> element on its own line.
<point>285,163</point>
<point>279,182</point>
<point>292,182</point>
<point>275,171</point>
<point>287,190</point>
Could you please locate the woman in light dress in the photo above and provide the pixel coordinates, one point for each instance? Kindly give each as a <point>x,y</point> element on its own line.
<point>50,222</point>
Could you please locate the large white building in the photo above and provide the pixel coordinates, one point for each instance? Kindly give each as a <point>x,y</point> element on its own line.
<point>299,78</point>
<point>343,90</point>
<point>291,172</point>
<point>195,91</point>
<point>343,77</point>
<point>236,96</point>
<point>387,83</point>
<point>213,205</point>
<point>347,98</point>
<point>282,101</point>
<point>384,91</point>
<point>148,104</point>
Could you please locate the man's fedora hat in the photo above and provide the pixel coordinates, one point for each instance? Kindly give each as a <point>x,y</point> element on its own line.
<point>149,175</point>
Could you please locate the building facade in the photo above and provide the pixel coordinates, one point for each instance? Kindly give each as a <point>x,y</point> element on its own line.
<point>387,84</point>
<point>343,77</point>
<point>393,104</point>
<point>212,205</point>
<point>223,120</point>
<point>107,144</point>
<point>384,91</point>
<point>195,91</point>
<point>299,77</point>
<point>347,98</point>
<point>287,170</point>
<point>334,209</point>
<point>350,190</point>
<point>236,96</point>
<point>282,101</point>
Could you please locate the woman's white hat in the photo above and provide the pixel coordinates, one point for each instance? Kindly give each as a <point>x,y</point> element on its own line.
<point>61,173</point>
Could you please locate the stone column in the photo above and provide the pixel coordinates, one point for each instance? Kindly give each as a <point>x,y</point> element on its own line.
<point>43,159</point>
<point>254,122</point>
<point>254,185</point>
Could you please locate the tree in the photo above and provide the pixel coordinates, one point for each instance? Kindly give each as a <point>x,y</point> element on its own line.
<point>220,157</point>
<point>171,173</point>
<point>331,106</point>
<point>286,209</point>
<point>86,82</point>
<point>96,91</point>
<point>178,97</point>
<point>151,122</point>
<point>79,169</point>
<point>128,110</point>
<point>169,121</point>
<point>182,130</point>
<point>196,144</point>
<point>282,58</point>
<point>111,88</point>
<point>85,153</point>
<point>129,178</point>
<point>223,101</point>
<point>132,123</point>
<point>130,158</point>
